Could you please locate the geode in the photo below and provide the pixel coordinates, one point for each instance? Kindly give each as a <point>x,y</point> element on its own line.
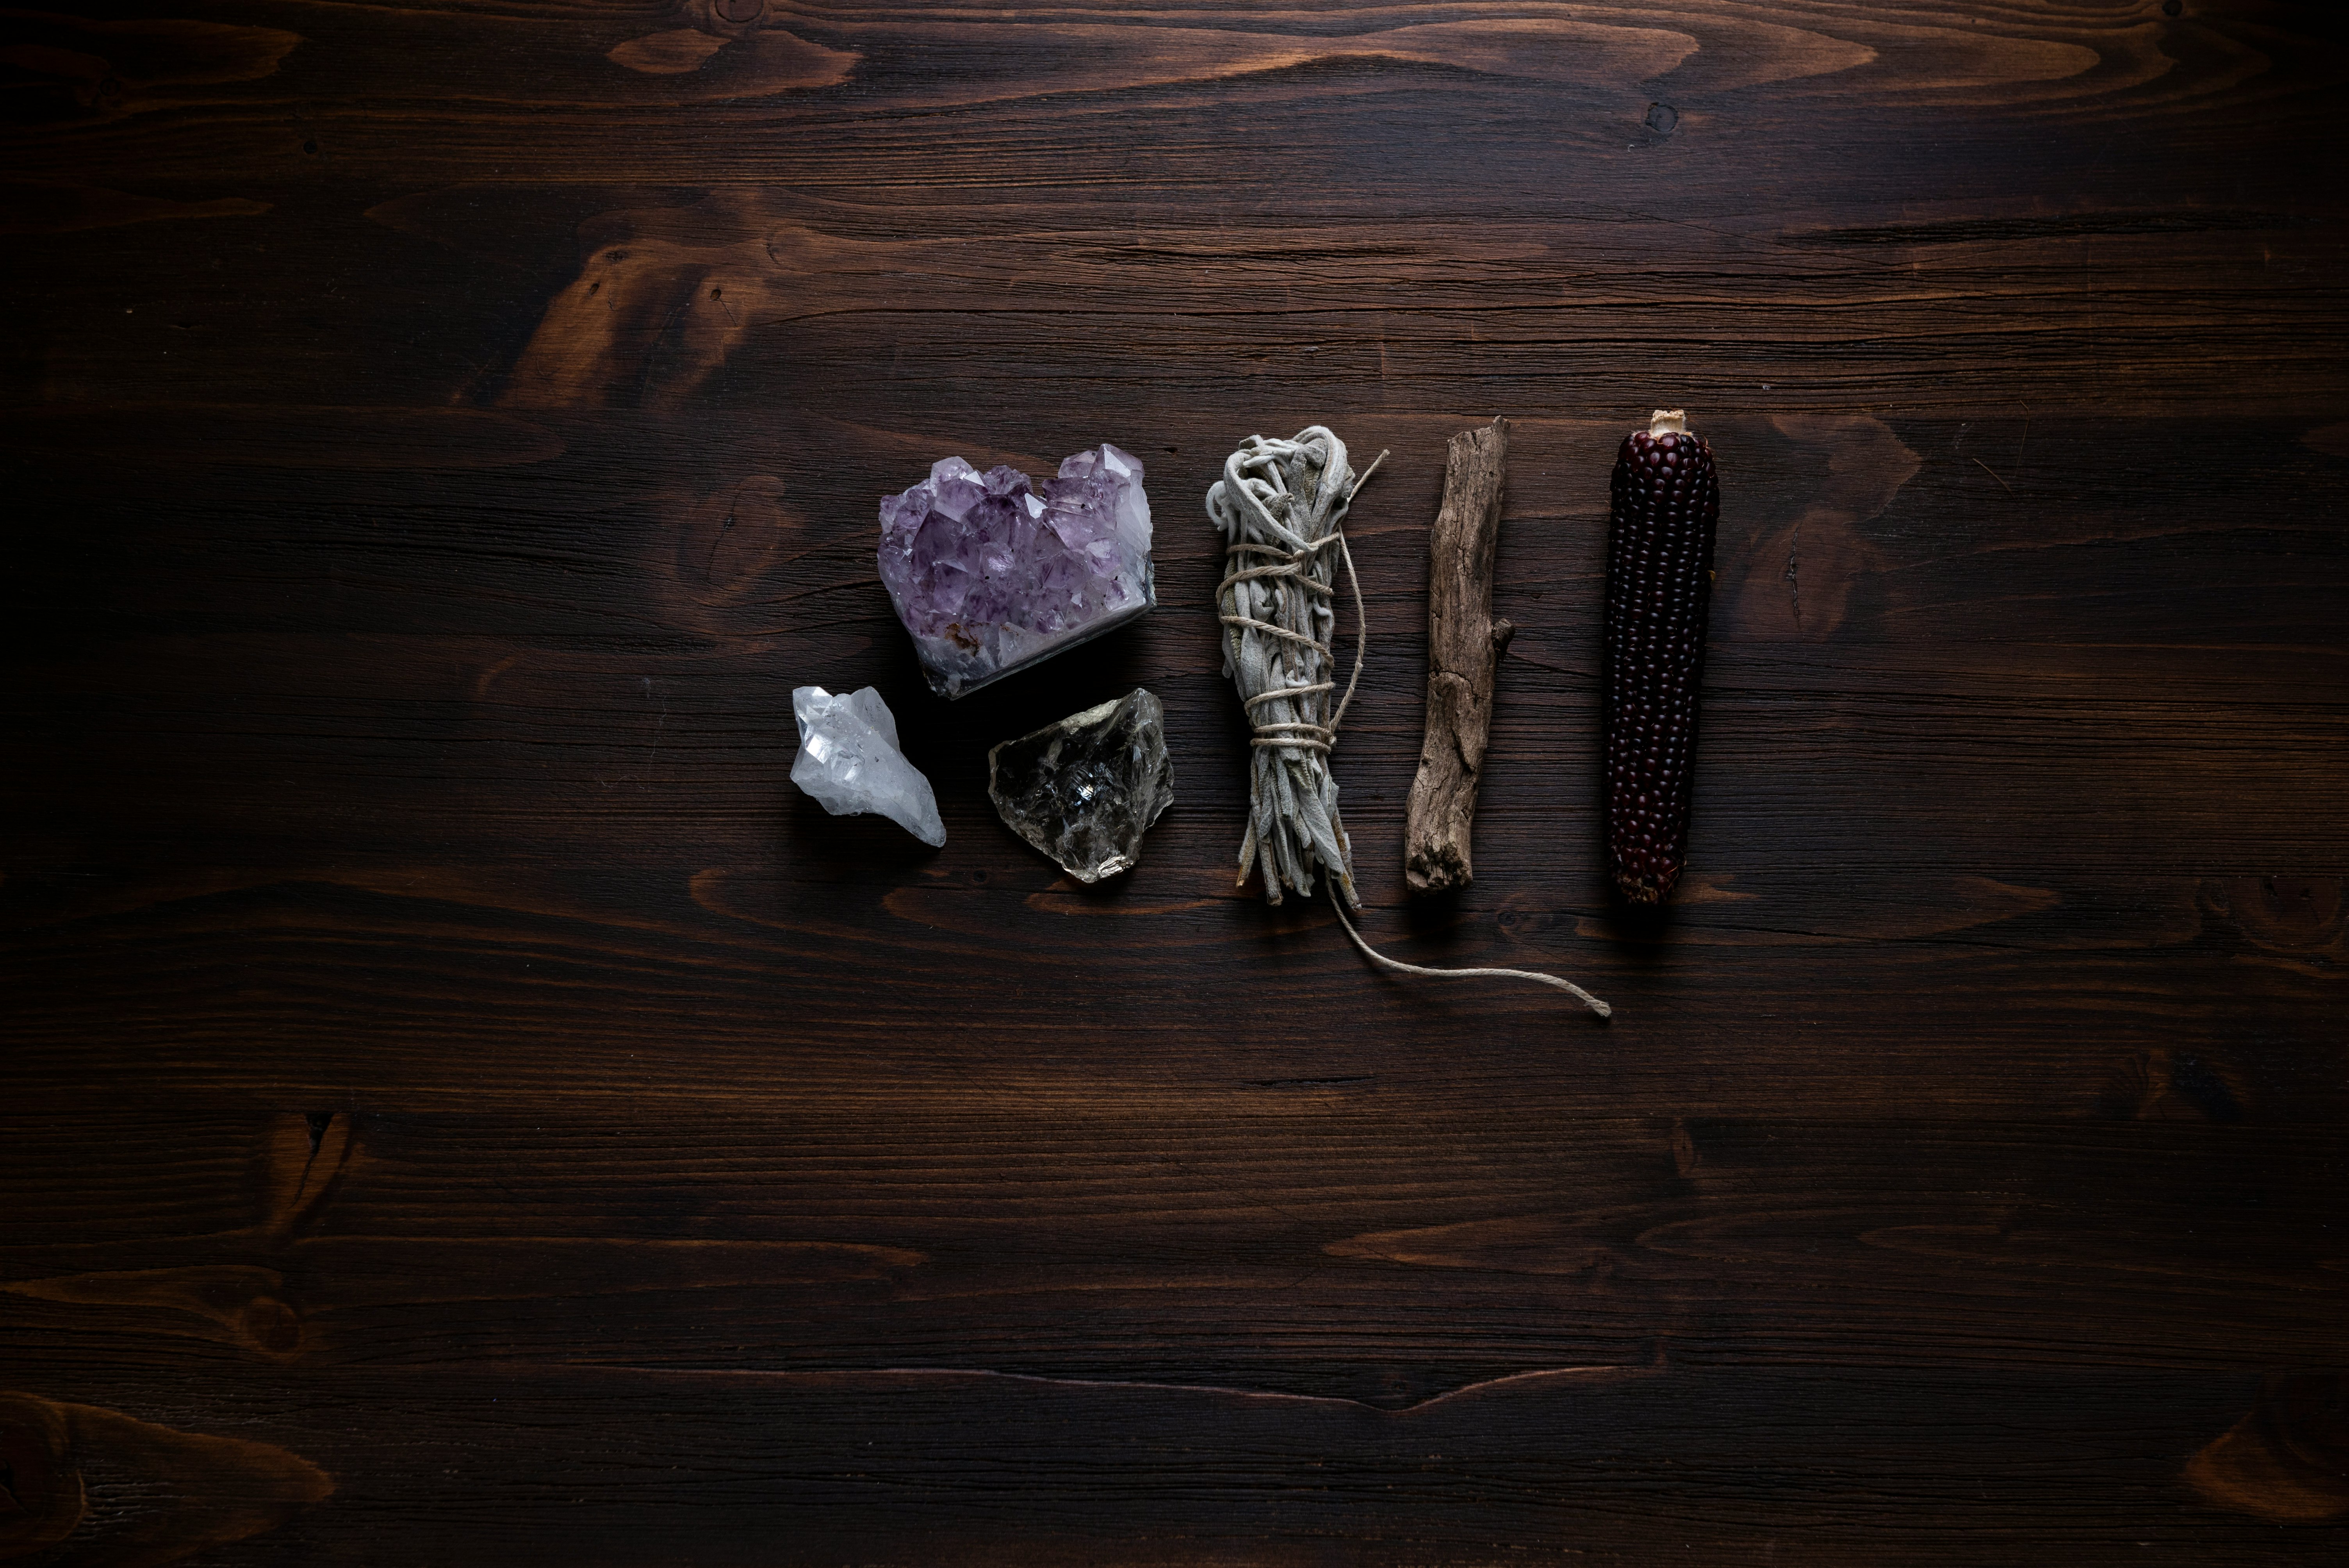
<point>850,762</point>
<point>1084,790</point>
<point>990,573</point>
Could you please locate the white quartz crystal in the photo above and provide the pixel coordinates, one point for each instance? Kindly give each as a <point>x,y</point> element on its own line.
<point>850,763</point>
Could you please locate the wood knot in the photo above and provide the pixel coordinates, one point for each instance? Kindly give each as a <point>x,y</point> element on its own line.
<point>168,1493</point>
<point>41,1495</point>
<point>2288,1458</point>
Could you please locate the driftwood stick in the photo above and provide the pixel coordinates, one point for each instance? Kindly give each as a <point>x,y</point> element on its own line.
<point>1463,644</point>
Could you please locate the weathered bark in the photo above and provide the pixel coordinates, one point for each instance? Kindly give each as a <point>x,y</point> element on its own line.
<point>1463,646</point>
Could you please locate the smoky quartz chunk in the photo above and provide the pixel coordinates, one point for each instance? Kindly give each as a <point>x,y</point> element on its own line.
<point>1084,790</point>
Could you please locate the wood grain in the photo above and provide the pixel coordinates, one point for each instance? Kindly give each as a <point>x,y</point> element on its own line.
<point>458,1104</point>
<point>93,1486</point>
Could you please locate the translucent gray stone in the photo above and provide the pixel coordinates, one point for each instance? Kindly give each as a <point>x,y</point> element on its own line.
<point>850,763</point>
<point>1084,790</point>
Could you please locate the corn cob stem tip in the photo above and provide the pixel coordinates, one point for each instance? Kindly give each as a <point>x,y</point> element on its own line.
<point>1671,421</point>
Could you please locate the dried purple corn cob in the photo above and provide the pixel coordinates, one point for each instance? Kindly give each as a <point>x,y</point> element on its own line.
<point>1658,585</point>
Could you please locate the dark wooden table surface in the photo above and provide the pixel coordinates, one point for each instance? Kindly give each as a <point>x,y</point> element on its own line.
<point>461,1105</point>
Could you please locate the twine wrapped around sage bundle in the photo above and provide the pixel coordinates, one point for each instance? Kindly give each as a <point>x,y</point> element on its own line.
<point>1280,507</point>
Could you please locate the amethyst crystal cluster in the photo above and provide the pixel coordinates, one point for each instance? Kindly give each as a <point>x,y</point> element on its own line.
<point>991,574</point>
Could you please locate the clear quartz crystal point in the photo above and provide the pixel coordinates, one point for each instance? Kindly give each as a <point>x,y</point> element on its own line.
<point>850,763</point>
<point>1084,790</point>
<point>990,573</point>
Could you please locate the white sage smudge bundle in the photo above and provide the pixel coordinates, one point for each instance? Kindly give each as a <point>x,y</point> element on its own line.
<point>1280,506</point>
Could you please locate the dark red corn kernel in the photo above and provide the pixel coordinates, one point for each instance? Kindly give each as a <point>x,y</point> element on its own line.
<point>1666,501</point>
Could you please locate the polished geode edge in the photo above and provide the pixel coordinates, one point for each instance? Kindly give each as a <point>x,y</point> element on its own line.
<point>1082,719</point>
<point>953,672</point>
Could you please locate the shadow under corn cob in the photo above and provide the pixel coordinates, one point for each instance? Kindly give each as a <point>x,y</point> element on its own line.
<point>1659,586</point>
